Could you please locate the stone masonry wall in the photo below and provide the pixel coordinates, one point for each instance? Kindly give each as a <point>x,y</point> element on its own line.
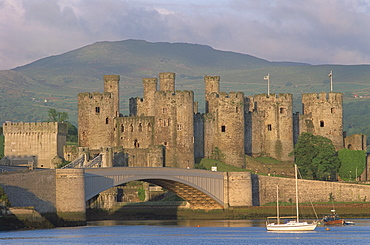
<point>309,190</point>
<point>31,188</point>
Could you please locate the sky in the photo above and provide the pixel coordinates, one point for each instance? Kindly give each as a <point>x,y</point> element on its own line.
<point>311,31</point>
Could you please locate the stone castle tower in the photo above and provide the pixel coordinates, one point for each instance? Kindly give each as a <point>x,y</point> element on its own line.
<point>269,125</point>
<point>223,124</point>
<point>96,112</point>
<point>323,115</point>
<point>173,113</point>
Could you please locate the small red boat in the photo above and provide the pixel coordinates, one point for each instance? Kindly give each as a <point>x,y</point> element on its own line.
<point>333,219</point>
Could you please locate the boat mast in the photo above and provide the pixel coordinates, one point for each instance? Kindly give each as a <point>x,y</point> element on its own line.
<point>296,190</point>
<point>277,204</point>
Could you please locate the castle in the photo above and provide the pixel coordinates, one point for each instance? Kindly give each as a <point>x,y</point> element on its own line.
<point>164,127</point>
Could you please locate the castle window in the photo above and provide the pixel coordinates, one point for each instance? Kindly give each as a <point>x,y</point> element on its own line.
<point>149,126</point>
<point>237,109</point>
<point>136,144</point>
<point>332,110</point>
<point>179,126</point>
<point>131,128</point>
<point>106,120</point>
<point>140,127</point>
<point>164,110</point>
<point>223,128</point>
<point>122,128</point>
<point>269,127</point>
<point>169,122</point>
<point>97,109</point>
<point>282,110</point>
<point>321,124</point>
<point>165,143</point>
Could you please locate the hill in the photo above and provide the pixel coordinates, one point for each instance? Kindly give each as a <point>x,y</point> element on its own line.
<point>54,82</point>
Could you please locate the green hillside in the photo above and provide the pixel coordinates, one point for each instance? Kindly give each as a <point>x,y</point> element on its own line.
<point>54,82</point>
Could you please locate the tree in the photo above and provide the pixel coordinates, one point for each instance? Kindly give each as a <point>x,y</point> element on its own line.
<point>353,163</point>
<point>315,156</point>
<point>56,116</point>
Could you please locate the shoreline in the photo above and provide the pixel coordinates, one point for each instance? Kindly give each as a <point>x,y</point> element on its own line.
<point>30,221</point>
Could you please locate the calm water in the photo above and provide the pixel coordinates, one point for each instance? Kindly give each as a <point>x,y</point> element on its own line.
<point>188,232</point>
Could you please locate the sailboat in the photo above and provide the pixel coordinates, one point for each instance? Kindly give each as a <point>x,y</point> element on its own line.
<point>290,225</point>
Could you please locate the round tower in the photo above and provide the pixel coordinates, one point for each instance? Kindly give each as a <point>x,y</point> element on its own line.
<point>111,85</point>
<point>150,87</point>
<point>167,81</point>
<point>212,85</point>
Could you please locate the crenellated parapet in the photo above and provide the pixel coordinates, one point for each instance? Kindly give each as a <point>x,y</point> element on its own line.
<point>35,127</point>
<point>95,96</point>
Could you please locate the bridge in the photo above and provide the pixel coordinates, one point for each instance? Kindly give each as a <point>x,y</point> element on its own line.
<point>66,191</point>
<point>200,188</point>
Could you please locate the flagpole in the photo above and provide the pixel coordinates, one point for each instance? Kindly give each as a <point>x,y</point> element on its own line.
<point>331,81</point>
<point>268,83</point>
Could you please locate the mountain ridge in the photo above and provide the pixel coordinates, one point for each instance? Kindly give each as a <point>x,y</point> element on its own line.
<point>55,81</point>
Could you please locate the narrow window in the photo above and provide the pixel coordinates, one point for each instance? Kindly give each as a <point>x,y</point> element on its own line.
<point>149,126</point>
<point>332,110</point>
<point>131,128</point>
<point>269,127</point>
<point>106,120</point>
<point>136,144</point>
<point>321,124</point>
<point>97,109</point>
<point>223,128</point>
<point>237,109</point>
<point>122,128</point>
<point>140,127</point>
<point>282,110</point>
<point>179,126</point>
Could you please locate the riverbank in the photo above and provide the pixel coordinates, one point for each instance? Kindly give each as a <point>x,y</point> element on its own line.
<point>28,218</point>
<point>147,212</point>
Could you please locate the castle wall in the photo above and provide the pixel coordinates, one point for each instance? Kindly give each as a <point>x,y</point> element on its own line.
<point>323,115</point>
<point>355,142</point>
<point>309,190</point>
<point>198,135</point>
<point>42,142</point>
<point>272,125</point>
<point>134,132</point>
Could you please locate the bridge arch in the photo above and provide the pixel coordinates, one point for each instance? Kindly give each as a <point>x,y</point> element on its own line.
<point>201,188</point>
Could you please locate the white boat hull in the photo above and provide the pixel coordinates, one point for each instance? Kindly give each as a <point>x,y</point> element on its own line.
<point>291,226</point>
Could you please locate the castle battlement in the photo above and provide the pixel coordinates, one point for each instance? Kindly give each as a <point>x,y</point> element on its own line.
<point>224,95</point>
<point>35,127</point>
<point>276,98</point>
<point>322,97</point>
<point>95,96</point>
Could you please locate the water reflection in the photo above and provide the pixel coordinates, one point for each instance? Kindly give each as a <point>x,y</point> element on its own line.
<point>186,223</point>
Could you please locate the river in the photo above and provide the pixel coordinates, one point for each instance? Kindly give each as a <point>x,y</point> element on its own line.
<point>188,232</point>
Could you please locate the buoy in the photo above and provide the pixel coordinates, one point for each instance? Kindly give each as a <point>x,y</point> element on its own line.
<point>327,229</point>
<point>198,225</point>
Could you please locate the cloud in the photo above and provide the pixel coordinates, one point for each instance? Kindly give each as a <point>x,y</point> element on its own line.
<point>317,31</point>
